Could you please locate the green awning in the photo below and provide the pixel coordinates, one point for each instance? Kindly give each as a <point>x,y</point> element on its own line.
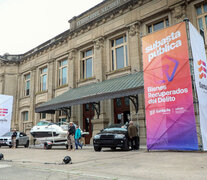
<point>109,89</point>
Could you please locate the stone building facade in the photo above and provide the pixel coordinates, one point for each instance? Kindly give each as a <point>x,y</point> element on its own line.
<point>102,43</point>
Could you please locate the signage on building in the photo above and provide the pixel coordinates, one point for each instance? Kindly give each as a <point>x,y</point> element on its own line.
<point>200,71</point>
<point>6,103</point>
<point>100,12</point>
<point>168,90</point>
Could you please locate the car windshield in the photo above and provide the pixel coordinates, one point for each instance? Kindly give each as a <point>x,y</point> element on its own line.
<point>114,129</point>
<point>43,123</point>
<point>8,134</point>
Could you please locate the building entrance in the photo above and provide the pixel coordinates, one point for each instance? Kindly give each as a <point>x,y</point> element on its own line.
<point>121,110</point>
<point>88,114</point>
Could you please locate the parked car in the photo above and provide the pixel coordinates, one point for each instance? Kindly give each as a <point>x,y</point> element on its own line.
<point>112,137</point>
<point>21,140</point>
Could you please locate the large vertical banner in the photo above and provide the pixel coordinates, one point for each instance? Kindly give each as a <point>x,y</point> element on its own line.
<point>169,106</point>
<point>200,71</point>
<point>6,103</point>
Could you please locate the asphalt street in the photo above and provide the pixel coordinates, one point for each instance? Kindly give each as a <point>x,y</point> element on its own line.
<point>36,163</point>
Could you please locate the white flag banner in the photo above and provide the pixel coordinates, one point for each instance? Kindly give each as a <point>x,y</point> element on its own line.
<point>6,103</point>
<point>200,71</point>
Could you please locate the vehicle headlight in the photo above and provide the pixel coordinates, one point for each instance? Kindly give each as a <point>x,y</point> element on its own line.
<point>97,136</point>
<point>119,136</point>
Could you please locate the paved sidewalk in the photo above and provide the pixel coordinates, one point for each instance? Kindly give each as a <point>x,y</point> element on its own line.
<point>37,163</point>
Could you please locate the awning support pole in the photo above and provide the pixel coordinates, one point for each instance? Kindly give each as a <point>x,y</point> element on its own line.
<point>67,111</point>
<point>134,100</point>
<point>96,106</point>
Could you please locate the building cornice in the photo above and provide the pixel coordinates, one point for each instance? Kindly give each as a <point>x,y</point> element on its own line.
<point>103,18</point>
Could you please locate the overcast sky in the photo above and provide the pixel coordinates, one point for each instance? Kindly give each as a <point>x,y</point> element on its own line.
<point>25,24</point>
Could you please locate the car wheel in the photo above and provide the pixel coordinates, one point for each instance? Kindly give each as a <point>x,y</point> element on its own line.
<point>66,146</point>
<point>97,148</point>
<point>46,146</point>
<point>17,144</point>
<point>27,144</point>
<point>113,148</point>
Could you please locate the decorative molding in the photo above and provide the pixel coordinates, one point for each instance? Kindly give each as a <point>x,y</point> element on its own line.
<point>85,24</point>
<point>41,92</point>
<point>100,12</point>
<point>51,60</point>
<point>140,2</point>
<point>83,82</point>
<point>62,86</point>
<point>71,54</point>
<point>179,13</point>
<point>33,68</point>
<point>28,125</point>
<point>118,72</point>
<point>99,42</point>
<point>134,28</point>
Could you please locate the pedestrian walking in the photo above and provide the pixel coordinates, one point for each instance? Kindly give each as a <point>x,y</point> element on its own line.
<point>71,136</point>
<point>14,136</point>
<point>78,137</point>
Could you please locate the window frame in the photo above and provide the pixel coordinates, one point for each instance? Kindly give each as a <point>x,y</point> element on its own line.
<point>42,117</point>
<point>26,81</point>
<point>62,117</point>
<point>152,25</point>
<point>83,62</point>
<point>203,18</point>
<point>113,51</point>
<point>60,71</point>
<point>24,117</point>
<point>42,74</point>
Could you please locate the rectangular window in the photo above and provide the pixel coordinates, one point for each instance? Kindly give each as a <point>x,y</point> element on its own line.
<point>62,117</point>
<point>61,121</point>
<point>42,115</point>
<point>201,12</point>
<point>63,72</point>
<point>126,101</point>
<point>158,26</point>
<point>200,23</point>
<point>198,10</point>
<point>119,53</point>
<point>205,7</point>
<point>120,57</point>
<point>27,85</point>
<point>25,116</point>
<point>118,102</point>
<point>87,64</point>
<point>43,79</point>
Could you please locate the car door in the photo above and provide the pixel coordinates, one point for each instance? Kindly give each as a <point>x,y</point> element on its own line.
<point>20,138</point>
<point>23,138</point>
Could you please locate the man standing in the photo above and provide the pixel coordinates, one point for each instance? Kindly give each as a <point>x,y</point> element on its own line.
<point>71,134</point>
<point>133,135</point>
<point>14,136</point>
